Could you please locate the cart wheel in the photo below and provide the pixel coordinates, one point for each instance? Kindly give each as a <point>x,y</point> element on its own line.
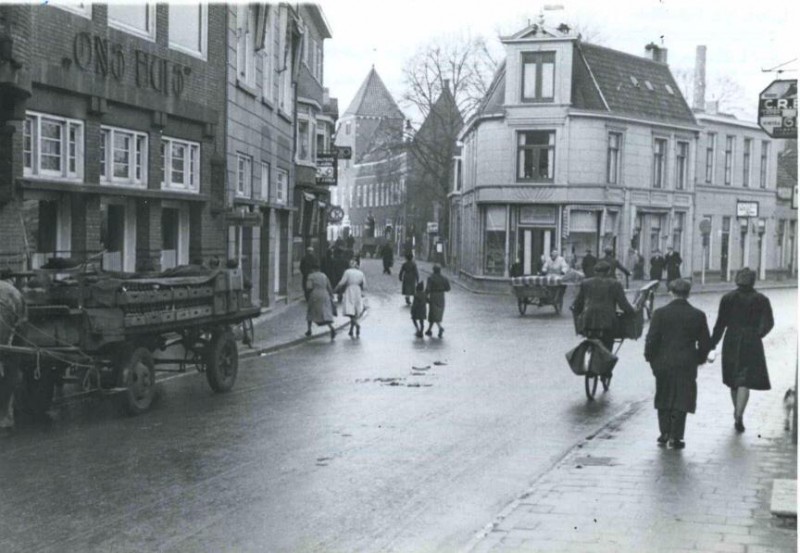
<point>222,361</point>
<point>522,305</point>
<point>136,373</point>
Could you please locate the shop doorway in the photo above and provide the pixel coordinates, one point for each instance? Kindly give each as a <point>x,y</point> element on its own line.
<point>724,248</point>
<point>535,243</point>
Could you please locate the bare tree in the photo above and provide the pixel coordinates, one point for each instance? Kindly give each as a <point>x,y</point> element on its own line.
<point>728,94</point>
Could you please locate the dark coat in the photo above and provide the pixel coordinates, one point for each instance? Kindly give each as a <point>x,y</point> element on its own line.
<point>615,265</point>
<point>638,267</point>
<point>308,261</point>
<point>587,265</point>
<point>597,301</point>
<point>657,267</point>
<point>388,255</point>
<point>673,261</point>
<point>409,276</point>
<point>435,288</point>
<point>747,316</point>
<point>677,342</point>
<point>419,307</point>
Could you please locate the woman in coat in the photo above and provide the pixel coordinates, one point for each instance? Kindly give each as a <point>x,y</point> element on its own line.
<point>677,342</point>
<point>351,287</point>
<point>436,287</point>
<point>320,308</point>
<point>409,276</point>
<point>745,317</point>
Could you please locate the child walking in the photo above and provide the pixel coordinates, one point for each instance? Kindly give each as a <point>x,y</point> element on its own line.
<point>419,308</point>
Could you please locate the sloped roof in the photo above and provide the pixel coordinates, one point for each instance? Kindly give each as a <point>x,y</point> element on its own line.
<point>444,115</point>
<point>623,79</point>
<point>493,101</point>
<point>373,99</point>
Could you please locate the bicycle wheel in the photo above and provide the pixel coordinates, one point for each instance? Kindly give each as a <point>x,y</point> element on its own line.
<point>590,380</point>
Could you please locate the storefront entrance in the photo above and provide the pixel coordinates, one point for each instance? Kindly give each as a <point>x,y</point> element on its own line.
<point>535,243</point>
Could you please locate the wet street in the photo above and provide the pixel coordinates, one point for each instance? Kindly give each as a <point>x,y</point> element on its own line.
<point>384,443</point>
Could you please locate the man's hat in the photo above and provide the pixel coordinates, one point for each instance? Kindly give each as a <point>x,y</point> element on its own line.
<point>602,267</point>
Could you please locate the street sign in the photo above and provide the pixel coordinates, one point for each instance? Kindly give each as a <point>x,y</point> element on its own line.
<point>335,214</point>
<point>777,109</point>
<point>433,228</point>
<point>747,209</point>
<point>705,226</point>
<point>343,152</point>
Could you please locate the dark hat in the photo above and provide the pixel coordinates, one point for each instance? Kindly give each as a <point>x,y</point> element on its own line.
<point>745,277</point>
<point>437,269</point>
<point>602,267</point>
<point>680,287</point>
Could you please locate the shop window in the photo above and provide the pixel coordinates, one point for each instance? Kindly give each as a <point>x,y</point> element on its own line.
<point>659,162</point>
<point>614,145</point>
<point>123,157</point>
<point>681,165</point>
<point>52,147</point>
<point>495,241</point>
<point>762,177</point>
<point>188,28</point>
<point>535,156</point>
<point>180,161</point>
<point>282,186</point>
<point>729,145</point>
<point>711,145</point>
<point>748,144</point>
<point>134,18</point>
<point>538,76</point>
<point>244,175</point>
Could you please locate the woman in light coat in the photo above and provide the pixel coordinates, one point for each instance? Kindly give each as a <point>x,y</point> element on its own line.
<point>351,288</point>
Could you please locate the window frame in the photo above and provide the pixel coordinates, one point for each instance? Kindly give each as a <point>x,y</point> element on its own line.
<point>730,140</point>
<point>763,173</point>
<point>747,161</point>
<point>613,154</point>
<point>244,175</point>
<point>281,186</point>
<point>538,60</point>
<point>659,175</point>
<point>192,162</point>
<point>245,44</point>
<point>550,147</point>
<point>138,161</point>
<point>34,137</point>
<point>148,34</point>
<point>268,58</point>
<point>711,147</point>
<point>681,164</point>
<point>265,180</point>
<point>203,39</point>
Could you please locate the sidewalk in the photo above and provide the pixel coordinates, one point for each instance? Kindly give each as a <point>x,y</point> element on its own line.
<point>617,491</point>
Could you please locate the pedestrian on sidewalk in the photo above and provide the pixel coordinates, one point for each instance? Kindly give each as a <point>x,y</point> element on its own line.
<point>387,254</point>
<point>435,289</point>
<point>307,263</point>
<point>677,343</point>
<point>409,276</point>
<point>351,287</point>
<point>419,309</point>
<point>745,318</point>
<point>588,263</point>
<point>613,263</point>
<point>672,262</point>
<point>320,309</point>
<point>656,265</point>
<point>638,266</point>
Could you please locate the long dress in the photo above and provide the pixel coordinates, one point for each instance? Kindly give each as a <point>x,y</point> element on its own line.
<point>320,299</point>
<point>436,287</point>
<point>351,285</point>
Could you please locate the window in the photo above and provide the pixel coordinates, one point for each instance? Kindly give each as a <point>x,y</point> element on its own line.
<point>244,175</point>
<point>495,241</point>
<point>748,143</point>
<point>180,160</point>
<point>268,56</point>
<point>459,179</point>
<point>52,147</point>
<point>659,162</point>
<point>614,142</point>
<point>188,28</point>
<point>681,165</point>
<point>538,76</point>
<point>282,189</point>
<point>265,180</point>
<point>285,100</point>
<point>535,155</point>
<point>137,19</point>
<point>245,43</point>
<point>728,159</point>
<point>302,140</point>
<point>319,64</point>
<point>711,144</point>
<point>347,128</point>
<point>81,8</point>
<point>677,230</point>
<point>669,89</point>
<point>762,177</point>
<point>123,157</point>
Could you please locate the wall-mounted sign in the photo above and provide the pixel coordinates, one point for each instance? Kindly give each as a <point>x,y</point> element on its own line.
<point>343,152</point>
<point>777,109</point>
<point>784,193</point>
<point>335,214</point>
<point>433,228</point>
<point>747,209</point>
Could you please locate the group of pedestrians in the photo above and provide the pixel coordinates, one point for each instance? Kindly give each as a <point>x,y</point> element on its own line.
<point>659,264</point>
<point>422,298</point>
<point>678,341</point>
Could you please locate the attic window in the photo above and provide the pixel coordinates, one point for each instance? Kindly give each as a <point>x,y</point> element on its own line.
<point>648,85</point>
<point>669,89</point>
<point>634,81</point>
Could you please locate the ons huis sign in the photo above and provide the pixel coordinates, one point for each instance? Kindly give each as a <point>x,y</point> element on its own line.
<point>112,60</point>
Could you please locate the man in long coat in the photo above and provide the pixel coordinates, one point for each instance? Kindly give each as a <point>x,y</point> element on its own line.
<point>597,302</point>
<point>387,254</point>
<point>745,318</point>
<point>588,263</point>
<point>677,342</point>
<point>672,262</point>
<point>12,316</point>
<point>614,263</point>
<point>656,265</point>
<point>409,276</point>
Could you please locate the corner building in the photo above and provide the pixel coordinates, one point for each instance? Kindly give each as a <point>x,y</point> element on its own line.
<point>111,144</point>
<point>575,147</point>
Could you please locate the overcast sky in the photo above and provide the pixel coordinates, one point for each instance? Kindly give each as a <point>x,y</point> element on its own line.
<point>742,38</point>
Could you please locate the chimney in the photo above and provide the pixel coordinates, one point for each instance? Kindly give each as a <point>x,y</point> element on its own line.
<point>699,100</point>
<point>655,53</point>
<point>712,107</point>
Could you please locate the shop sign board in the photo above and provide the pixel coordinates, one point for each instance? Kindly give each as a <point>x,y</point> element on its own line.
<point>777,109</point>
<point>747,209</point>
<point>433,228</point>
<point>327,173</point>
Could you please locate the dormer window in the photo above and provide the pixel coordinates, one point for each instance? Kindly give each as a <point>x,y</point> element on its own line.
<point>538,76</point>
<point>634,81</point>
<point>669,89</point>
<point>649,85</point>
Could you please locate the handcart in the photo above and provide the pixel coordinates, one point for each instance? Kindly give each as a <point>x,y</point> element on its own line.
<point>99,331</point>
<point>539,291</point>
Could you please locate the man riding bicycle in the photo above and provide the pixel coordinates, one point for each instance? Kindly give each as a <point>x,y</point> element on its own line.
<point>596,305</point>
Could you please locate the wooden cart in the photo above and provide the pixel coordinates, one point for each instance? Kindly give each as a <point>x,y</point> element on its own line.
<point>99,332</point>
<point>538,291</point>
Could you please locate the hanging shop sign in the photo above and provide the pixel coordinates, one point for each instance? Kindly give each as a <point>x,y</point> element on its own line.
<point>777,109</point>
<point>327,173</point>
<point>109,59</point>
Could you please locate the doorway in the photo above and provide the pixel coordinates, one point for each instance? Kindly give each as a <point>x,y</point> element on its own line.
<point>535,243</point>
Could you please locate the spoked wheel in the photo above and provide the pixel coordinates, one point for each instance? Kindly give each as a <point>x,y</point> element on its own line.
<point>522,305</point>
<point>590,382</point>
<point>222,361</point>
<point>136,373</point>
